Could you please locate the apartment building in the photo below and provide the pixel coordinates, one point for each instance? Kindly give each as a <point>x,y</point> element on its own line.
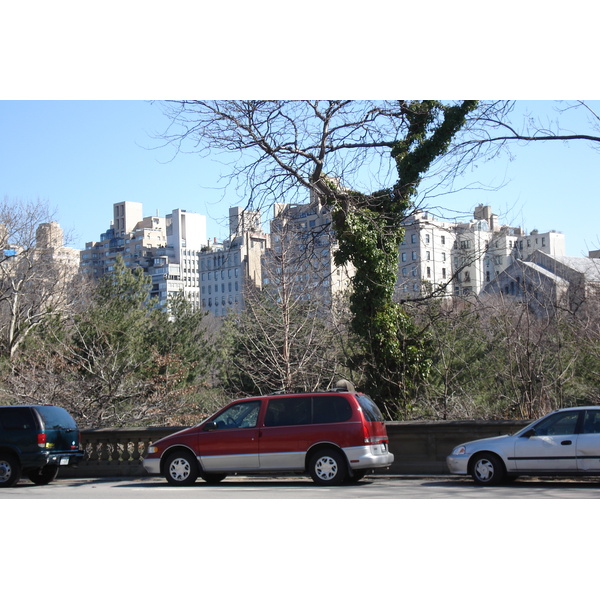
<point>167,249</point>
<point>228,268</point>
<point>461,258</point>
<point>302,246</point>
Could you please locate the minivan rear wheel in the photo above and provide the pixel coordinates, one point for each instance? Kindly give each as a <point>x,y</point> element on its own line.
<point>327,467</point>
<point>181,468</point>
<point>10,470</point>
<point>44,475</point>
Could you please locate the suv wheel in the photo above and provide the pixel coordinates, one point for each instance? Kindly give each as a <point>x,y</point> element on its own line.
<point>44,475</point>
<point>181,468</point>
<point>328,467</point>
<point>10,470</point>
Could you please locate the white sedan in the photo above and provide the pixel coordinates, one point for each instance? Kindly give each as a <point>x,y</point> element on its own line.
<point>564,442</point>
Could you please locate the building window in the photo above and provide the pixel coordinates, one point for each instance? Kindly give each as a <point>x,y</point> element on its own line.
<point>443,238</point>
<point>427,238</point>
<point>413,238</point>
<point>404,257</point>
<point>414,255</point>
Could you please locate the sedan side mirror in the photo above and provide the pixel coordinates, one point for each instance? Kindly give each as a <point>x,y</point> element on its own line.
<point>211,426</point>
<point>529,433</point>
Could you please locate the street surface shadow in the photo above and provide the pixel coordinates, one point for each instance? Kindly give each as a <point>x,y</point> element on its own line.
<point>238,483</point>
<point>521,483</point>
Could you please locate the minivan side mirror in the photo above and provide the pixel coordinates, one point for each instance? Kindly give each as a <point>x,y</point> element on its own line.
<point>211,426</point>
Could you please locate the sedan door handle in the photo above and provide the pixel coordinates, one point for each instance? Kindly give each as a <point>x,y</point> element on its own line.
<point>566,443</point>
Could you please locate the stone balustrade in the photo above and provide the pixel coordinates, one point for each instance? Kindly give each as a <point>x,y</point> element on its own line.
<point>115,452</point>
<point>418,447</point>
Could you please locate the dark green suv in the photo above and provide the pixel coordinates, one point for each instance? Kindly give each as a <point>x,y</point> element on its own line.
<point>35,441</point>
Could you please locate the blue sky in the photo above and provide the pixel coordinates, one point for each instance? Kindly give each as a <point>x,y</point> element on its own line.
<point>83,156</point>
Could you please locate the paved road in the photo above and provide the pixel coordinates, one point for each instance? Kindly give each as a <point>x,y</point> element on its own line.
<point>375,487</point>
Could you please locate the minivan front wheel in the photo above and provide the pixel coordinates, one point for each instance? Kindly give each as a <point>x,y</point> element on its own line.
<point>181,468</point>
<point>327,467</point>
<point>10,470</point>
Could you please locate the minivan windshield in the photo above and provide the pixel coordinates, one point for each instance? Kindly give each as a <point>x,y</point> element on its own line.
<point>370,409</point>
<point>55,417</point>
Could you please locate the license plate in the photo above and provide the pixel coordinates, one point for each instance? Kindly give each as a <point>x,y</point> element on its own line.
<point>64,460</point>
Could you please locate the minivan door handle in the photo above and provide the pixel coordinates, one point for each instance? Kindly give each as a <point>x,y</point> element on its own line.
<point>566,443</point>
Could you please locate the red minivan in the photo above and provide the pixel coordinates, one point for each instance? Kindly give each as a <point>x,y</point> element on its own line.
<point>334,436</point>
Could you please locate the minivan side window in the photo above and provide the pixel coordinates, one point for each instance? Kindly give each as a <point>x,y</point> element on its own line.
<point>306,410</point>
<point>238,416</point>
<point>330,409</point>
<point>288,411</point>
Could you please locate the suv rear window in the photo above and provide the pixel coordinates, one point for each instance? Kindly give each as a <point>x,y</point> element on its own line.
<point>370,409</point>
<point>307,410</point>
<point>56,417</point>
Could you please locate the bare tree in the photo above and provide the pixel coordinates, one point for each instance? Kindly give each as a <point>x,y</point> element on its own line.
<point>284,340</point>
<point>497,128</point>
<point>365,160</point>
<point>36,271</point>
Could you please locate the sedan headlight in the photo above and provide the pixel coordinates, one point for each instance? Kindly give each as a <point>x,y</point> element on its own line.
<point>459,450</point>
<point>152,449</point>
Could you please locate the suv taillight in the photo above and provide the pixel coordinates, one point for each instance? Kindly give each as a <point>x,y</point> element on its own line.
<point>41,439</point>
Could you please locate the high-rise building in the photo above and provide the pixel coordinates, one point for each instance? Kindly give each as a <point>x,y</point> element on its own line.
<point>166,248</point>
<point>303,244</point>
<point>228,268</point>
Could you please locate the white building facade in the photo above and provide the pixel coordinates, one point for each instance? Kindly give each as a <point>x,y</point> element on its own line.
<point>227,269</point>
<point>167,249</point>
<point>460,259</point>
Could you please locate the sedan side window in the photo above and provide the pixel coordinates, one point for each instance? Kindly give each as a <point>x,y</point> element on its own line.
<point>592,421</point>
<point>558,424</point>
<point>239,416</point>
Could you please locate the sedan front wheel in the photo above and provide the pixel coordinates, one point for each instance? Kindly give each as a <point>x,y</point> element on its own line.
<point>487,469</point>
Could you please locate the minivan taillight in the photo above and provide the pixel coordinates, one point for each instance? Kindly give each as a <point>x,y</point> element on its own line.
<point>41,439</point>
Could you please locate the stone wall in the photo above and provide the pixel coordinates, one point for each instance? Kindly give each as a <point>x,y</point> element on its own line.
<point>419,448</point>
